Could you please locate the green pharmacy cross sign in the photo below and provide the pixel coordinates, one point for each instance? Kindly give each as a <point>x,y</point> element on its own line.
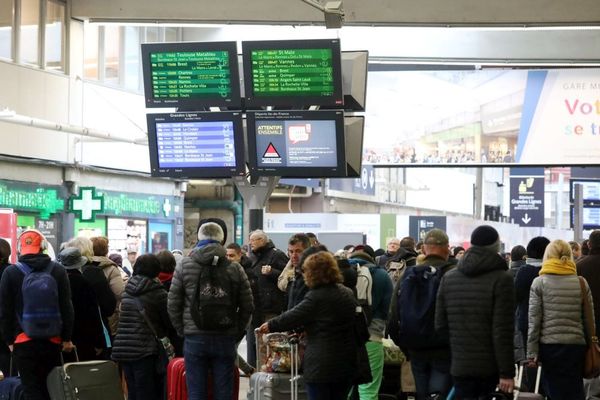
<point>87,204</point>
<point>42,200</point>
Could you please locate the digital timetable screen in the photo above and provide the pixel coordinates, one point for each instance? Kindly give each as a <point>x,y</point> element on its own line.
<point>295,73</point>
<point>196,144</point>
<point>191,75</point>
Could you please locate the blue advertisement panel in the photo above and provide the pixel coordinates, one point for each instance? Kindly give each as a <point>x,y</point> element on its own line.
<point>527,196</point>
<point>418,225</point>
<point>481,117</point>
<point>364,185</point>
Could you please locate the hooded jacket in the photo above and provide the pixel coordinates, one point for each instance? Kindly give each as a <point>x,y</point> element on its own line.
<point>475,307</point>
<point>134,339</point>
<point>11,297</point>
<point>183,289</point>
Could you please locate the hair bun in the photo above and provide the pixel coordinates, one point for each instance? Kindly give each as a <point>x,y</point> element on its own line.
<point>564,259</point>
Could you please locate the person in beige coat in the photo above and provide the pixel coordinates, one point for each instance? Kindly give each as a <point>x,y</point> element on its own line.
<point>556,335</point>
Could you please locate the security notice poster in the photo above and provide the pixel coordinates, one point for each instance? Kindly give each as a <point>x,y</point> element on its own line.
<point>296,143</point>
<point>475,117</point>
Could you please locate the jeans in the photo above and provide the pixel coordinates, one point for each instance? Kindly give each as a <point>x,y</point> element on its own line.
<point>142,381</point>
<point>328,391</point>
<point>431,376</point>
<point>35,359</point>
<point>473,388</point>
<point>370,391</point>
<point>209,352</point>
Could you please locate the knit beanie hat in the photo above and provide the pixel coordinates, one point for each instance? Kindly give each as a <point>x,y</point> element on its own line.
<point>217,221</point>
<point>484,235</point>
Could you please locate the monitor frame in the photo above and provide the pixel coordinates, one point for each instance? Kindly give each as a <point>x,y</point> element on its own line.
<point>191,104</point>
<point>585,227</point>
<point>255,102</point>
<point>339,171</point>
<point>197,172</point>
<point>573,181</point>
<point>355,74</point>
<point>354,140</point>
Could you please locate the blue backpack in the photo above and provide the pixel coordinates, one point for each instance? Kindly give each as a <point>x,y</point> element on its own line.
<point>41,318</point>
<point>416,308</point>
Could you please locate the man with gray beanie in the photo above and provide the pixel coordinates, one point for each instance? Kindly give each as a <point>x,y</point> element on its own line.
<point>210,303</point>
<point>475,307</point>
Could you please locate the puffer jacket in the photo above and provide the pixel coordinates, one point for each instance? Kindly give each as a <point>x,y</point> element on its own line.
<point>327,314</point>
<point>555,312</point>
<point>272,300</point>
<point>134,339</point>
<point>475,307</point>
<point>183,288</point>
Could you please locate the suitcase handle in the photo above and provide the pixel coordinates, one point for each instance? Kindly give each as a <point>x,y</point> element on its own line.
<point>538,375</point>
<point>62,359</point>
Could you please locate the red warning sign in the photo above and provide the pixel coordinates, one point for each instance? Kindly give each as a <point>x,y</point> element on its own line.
<point>271,152</point>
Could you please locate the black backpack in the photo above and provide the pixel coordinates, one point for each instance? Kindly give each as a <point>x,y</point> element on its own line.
<point>214,305</point>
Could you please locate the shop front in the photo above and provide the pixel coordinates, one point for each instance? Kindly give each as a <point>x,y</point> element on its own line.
<point>133,222</point>
<point>35,206</point>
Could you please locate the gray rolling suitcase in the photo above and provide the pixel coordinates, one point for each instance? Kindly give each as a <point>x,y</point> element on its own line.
<point>87,380</point>
<point>518,395</point>
<point>277,385</point>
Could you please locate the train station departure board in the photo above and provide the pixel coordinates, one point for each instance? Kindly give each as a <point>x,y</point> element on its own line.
<point>190,75</point>
<point>292,73</point>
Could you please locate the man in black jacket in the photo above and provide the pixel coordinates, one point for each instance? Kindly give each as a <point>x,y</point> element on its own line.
<point>475,307</point>
<point>35,357</point>
<point>210,303</point>
<point>267,264</point>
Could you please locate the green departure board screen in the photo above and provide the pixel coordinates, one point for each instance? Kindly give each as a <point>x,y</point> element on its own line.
<point>292,72</point>
<point>190,75</point>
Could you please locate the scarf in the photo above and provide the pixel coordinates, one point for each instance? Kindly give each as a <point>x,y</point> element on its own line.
<point>206,242</point>
<point>555,266</point>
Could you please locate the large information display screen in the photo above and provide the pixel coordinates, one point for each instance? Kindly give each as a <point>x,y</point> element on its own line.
<point>297,143</point>
<point>196,144</point>
<point>591,190</point>
<point>191,75</point>
<point>293,73</point>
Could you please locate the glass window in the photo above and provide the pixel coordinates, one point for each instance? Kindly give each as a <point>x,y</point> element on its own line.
<point>170,34</point>
<point>55,39</point>
<point>90,51</point>
<point>111,54</point>
<point>6,21</point>
<point>152,35</point>
<point>30,24</point>
<point>132,58</point>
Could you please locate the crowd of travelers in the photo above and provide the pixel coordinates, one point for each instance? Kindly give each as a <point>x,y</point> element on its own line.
<point>464,317</point>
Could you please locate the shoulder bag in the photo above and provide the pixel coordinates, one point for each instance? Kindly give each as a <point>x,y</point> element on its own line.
<point>592,354</point>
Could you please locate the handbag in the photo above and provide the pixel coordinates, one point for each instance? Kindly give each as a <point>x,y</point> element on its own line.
<point>592,354</point>
<point>166,351</point>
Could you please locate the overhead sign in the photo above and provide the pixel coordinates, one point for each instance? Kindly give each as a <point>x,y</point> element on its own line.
<point>418,225</point>
<point>87,204</point>
<point>364,185</point>
<point>42,200</point>
<point>527,196</point>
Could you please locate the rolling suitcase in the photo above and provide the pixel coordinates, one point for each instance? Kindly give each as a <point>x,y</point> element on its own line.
<point>88,380</point>
<point>277,385</point>
<point>177,386</point>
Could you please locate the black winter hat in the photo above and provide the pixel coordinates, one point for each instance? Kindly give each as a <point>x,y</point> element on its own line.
<point>217,221</point>
<point>484,235</point>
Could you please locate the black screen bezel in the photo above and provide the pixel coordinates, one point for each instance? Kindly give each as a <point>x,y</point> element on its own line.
<point>573,181</point>
<point>298,172</point>
<point>197,172</point>
<point>252,101</point>
<point>196,104</point>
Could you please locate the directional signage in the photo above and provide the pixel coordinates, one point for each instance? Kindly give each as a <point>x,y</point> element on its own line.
<point>419,225</point>
<point>364,185</point>
<point>527,196</point>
